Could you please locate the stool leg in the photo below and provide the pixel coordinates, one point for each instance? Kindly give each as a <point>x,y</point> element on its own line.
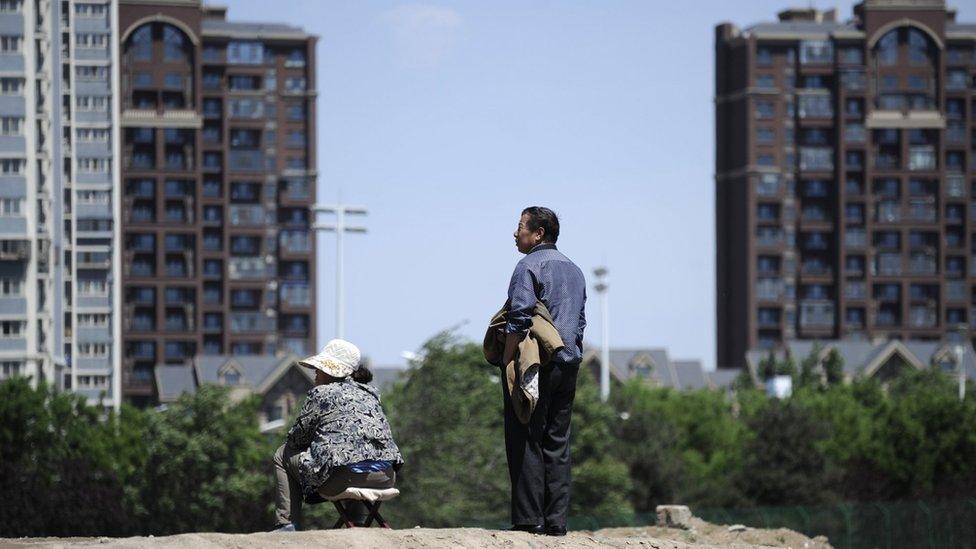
<point>343,517</point>
<point>374,512</point>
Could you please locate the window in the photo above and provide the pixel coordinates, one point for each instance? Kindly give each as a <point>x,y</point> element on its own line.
<point>92,135</point>
<point>11,6</point>
<point>764,136</point>
<point>888,49</point>
<point>11,86</point>
<point>93,349</point>
<point>296,163</point>
<point>12,166</point>
<point>10,207</point>
<point>956,80</point>
<point>816,106</point>
<point>11,368</point>
<point>92,286</point>
<point>245,52</point>
<point>298,83</point>
<point>852,56</point>
<point>91,103</point>
<point>85,72</point>
<point>94,165</point>
<point>94,197</point>
<point>764,109</point>
<point>174,44</point>
<point>245,82</point>
<point>11,125</point>
<point>92,10</point>
<point>296,111</point>
<point>11,287</point>
<point>13,328</point>
<point>765,81</point>
<point>212,80</point>
<point>10,44</point>
<point>918,47</point>
<point>296,58</point>
<point>92,382</point>
<point>173,80</point>
<point>764,57</point>
<point>95,41</point>
<point>816,52</point>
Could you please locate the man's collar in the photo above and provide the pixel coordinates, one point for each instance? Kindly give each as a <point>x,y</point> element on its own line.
<point>543,246</point>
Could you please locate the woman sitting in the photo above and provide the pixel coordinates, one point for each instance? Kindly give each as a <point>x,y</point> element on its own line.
<point>340,439</point>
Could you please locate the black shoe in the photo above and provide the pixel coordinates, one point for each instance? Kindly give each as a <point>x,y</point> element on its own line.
<point>536,529</point>
<point>555,530</point>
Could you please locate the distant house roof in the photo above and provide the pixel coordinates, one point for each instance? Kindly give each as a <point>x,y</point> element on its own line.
<point>864,358</point>
<point>654,365</point>
<point>255,373</point>
<point>172,381</point>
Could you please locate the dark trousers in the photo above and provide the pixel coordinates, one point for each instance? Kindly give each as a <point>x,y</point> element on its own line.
<point>538,453</point>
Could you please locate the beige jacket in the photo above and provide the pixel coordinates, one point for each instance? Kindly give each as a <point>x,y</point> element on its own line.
<point>535,350</point>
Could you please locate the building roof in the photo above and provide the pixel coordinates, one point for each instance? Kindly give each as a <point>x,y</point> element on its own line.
<point>861,357</point>
<point>172,381</point>
<point>232,29</point>
<point>254,369</point>
<point>655,365</point>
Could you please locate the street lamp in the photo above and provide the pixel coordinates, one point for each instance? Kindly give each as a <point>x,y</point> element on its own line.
<point>601,287</point>
<point>962,333</point>
<point>339,228</point>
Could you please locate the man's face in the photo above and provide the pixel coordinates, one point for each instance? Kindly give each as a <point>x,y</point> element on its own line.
<point>525,239</point>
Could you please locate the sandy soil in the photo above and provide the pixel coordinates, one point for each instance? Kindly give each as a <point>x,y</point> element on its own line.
<point>701,535</point>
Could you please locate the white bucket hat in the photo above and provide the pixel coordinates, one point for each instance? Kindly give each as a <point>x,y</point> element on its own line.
<point>338,358</point>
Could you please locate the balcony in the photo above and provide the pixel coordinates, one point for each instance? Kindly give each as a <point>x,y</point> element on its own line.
<point>251,322</point>
<point>816,314</point>
<point>887,264</point>
<point>298,242</point>
<point>922,317</point>
<point>923,264</point>
<point>855,239</point>
<point>295,295</point>
<point>249,268</point>
<point>922,211</point>
<point>245,161</point>
<point>816,158</point>
<point>14,250</point>
<point>855,290</point>
<point>247,215</point>
<point>816,268</point>
<point>887,212</point>
<point>921,157</point>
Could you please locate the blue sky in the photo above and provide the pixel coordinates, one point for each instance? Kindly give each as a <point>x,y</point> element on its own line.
<point>445,119</point>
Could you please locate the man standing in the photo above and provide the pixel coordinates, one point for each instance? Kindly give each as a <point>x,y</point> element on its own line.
<point>538,453</point>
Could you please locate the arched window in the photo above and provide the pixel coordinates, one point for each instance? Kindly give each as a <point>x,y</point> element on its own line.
<point>905,63</point>
<point>918,47</point>
<point>158,68</point>
<point>174,44</point>
<point>887,49</point>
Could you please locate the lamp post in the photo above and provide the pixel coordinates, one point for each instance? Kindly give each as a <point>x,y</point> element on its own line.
<point>339,228</point>
<point>601,287</point>
<point>959,350</point>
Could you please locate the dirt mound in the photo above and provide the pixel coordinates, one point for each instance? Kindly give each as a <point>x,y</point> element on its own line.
<point>701,535</point>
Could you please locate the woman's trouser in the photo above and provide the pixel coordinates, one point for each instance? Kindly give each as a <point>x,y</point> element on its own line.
<point>288,497</point>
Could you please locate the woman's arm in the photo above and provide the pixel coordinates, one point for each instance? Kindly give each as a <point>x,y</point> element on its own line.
<point>301,433</point>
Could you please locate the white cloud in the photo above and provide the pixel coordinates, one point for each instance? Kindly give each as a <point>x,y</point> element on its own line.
<point>422,34</point>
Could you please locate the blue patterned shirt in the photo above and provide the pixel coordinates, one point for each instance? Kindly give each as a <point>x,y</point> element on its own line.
<point>546,275</point>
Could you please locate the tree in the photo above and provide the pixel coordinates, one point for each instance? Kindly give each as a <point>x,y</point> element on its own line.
<point>834,367</point>
<point>207,466</point>
<point>782,463</point>
<point>54,454</point>
<point>809,374</point>
<point>447,420</point>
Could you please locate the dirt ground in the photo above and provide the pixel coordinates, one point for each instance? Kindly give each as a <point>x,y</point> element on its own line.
<point>701,535</point>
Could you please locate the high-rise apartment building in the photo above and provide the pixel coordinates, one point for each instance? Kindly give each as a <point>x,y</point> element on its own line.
<point>218,176</point>
<point>156,171</point>
<point>845,190</point>
<point>59,254</point>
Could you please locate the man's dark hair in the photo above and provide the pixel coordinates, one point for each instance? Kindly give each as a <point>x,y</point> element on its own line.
<point>542,217</point>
